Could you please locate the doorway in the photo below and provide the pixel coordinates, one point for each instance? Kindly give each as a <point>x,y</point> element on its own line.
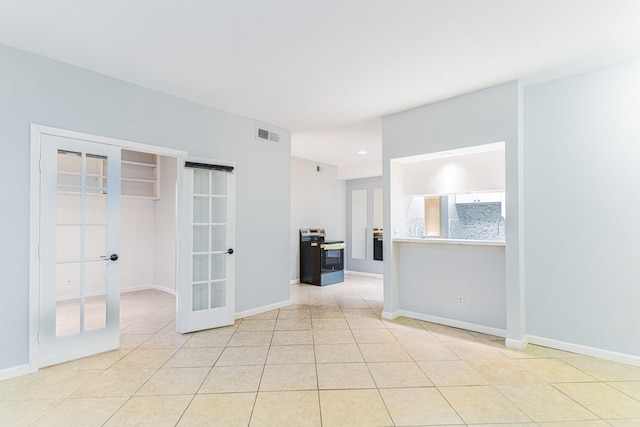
<point>104,221</point>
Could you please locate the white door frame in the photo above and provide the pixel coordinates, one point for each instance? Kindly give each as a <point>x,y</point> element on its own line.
<point>34,216</point>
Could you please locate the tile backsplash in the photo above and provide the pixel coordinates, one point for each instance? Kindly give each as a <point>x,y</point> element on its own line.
<point>477,221</point>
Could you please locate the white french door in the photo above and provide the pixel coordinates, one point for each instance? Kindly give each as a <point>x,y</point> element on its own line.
<point>79,242</point>
<point>207,265</point>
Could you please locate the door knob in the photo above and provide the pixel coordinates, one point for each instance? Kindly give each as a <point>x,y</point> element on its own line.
<point>112,257</point>
<point>229,251</point>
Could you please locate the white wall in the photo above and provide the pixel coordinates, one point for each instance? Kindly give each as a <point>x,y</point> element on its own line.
<point>164,223</point>
<point>482,117</point>
<point>582,187</point>
<point>38,90</point>
<point>137,241</point>
<point>318,200</point>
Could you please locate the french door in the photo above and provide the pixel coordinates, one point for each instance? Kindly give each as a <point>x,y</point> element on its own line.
<point>207,264</point>
<point>79,242</point>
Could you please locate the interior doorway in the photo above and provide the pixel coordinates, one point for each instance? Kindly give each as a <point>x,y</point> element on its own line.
<point>104,222</point>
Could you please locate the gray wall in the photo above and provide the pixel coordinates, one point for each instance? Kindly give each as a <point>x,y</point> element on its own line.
<point>317,201</point>
<point>582,188</point>
<point>368,265</point>
<point>439,273</point>
<point>486,116</point>
<point>38,90</point>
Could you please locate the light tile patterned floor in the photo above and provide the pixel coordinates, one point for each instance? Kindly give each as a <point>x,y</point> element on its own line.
<point>327,360</point>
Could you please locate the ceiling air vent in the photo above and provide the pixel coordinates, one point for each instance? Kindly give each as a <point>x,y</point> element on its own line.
<point>267,135</point>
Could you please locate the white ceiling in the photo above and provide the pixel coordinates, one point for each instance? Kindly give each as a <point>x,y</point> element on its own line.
<point>326,69</point>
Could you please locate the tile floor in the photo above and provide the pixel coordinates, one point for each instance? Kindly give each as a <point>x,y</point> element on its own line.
<point>327,360</point>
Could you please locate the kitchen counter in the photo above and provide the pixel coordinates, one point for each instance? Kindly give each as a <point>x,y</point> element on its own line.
<point>436,240</point>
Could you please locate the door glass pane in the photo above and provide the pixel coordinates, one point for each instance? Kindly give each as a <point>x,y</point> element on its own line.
<point>200,181</point>
<point>68,242</point>
<point>95,312</point>
<point>218,266</point>
<point>95,277</point>
<point>67,317</point>
<point>95,169</point>
<point>219,209</point>
<point>219,183</point>
<point>201,210</point>
<point>200,238</point>
<point>200,296</point>
<point>200,268</point>
<point>219,238</point>
<point>96,208</point>
<point>69,168</point>
<point>69,207</point>
<point>95,241</point>
<point>218,294</point>
<point>68,279</point>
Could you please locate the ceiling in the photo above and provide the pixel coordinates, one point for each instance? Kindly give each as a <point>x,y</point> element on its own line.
<point>326,69</point>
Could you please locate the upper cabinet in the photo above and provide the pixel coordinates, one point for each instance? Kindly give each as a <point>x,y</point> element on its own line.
<point>478,172</point>
<point>140,172</point>
<point>479,198</point>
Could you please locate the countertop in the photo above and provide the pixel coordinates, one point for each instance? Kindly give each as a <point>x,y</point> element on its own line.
<point>435,240</point>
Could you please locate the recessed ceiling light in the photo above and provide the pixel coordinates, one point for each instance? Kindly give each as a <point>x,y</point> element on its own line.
<point>362,152</point>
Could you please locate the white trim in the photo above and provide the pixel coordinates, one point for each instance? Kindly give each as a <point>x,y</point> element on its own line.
<point>294,281</point>
<point>362,273</point>
<point>390,316</point>
<point>122,143</point>
<point>263,309</point>
<point>16,371</point>
<point>34,243</point>
<point>34,222</point>
<point>517,344</point>
<point>447,322</point>
<point>585,350</point>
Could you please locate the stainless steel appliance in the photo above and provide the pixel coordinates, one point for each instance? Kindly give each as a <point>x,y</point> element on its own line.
<point>377,244</point>
<point>321,262</point>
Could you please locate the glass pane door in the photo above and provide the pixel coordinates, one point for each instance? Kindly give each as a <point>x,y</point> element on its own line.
<point>206,293</point>
<point>80,226</point>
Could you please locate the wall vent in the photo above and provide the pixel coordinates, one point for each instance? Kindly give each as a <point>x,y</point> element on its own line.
<point>267,135</point>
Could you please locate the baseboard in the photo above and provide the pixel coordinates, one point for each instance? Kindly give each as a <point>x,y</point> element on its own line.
<point>389,315</point>
<point>16,371</point>
<point>294,281</point>
<point>263,309</point>
<point>361,273</point>
<point>147,287</point>
<point>516,344</point>
<point>447,322</point>
<point>585,350</point>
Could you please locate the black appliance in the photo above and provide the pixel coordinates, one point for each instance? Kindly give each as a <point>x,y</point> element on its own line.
<point>377,244</point>
<point>321,262</point>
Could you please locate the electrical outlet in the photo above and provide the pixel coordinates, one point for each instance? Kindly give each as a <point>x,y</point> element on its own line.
<point>460,300</point>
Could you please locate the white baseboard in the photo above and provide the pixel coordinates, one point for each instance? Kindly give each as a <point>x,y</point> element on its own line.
<point>389,315</point>
<point>294,281</point>
<point>517,344</point>
<point>259,310</point>
<point>361,273</point>
<point>447,322</point>
<point>147,287</point>
<point>585,350</point>
<point>16,371</point>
